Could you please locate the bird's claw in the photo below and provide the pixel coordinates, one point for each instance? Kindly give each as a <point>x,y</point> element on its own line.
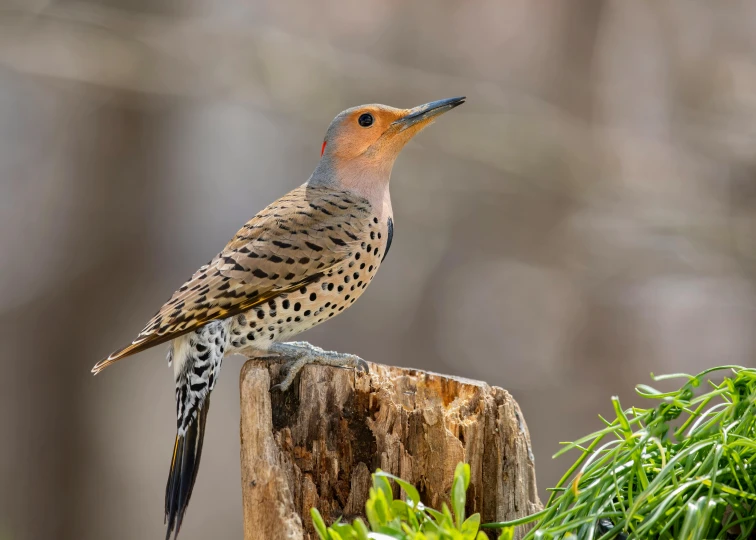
<point>362,365</point>
<point>302,353</point>
<point>279,388</point>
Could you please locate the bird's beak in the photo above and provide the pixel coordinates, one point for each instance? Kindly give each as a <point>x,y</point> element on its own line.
<point>424,113</point>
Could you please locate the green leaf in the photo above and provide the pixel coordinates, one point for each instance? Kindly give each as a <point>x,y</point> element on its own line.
<point>334,535</point>
<point>385,533</point>
<point>409,489</point>
<point>382,483</point>
<point>470,527</point>
<point>435,514</point>
<point>360,529</point>
<point>317,521</point>
<point>346,531</point>
<point>464,469</point>
<point>399,509</point>
<point>507,533</point>
<point>458,492</point>
<point>372,514</point>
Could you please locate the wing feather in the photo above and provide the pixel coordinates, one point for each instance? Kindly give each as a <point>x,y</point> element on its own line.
<point>292,242</point>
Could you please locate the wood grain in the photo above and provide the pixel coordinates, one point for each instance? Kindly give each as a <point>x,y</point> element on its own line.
<point>317,444</point>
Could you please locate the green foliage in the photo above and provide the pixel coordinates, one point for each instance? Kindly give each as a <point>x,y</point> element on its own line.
<point>395,519</point>
<point>682,470</point>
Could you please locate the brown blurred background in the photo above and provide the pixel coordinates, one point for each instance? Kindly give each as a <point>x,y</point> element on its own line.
<point>588,216</point>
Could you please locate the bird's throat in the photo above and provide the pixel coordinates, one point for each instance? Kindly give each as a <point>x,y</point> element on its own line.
<point>366,177</point>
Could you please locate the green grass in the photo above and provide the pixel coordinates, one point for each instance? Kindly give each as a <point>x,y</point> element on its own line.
<point>683,469</point>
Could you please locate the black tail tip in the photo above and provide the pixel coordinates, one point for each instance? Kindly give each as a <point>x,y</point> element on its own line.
<point>187,451</point>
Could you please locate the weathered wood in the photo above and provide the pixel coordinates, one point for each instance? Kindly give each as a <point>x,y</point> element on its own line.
<point>317,444</point>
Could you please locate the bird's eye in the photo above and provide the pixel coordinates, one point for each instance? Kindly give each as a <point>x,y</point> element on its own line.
<point>365,120</point>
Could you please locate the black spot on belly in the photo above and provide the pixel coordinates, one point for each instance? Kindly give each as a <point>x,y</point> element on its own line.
<point>198,386</point>
<point>200,369</point>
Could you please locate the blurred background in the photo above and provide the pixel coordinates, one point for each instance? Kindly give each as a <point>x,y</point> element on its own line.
<point>588,217</point>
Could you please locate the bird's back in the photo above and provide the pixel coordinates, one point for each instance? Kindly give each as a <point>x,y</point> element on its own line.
<point>344,250</point>
<point>314,236</point>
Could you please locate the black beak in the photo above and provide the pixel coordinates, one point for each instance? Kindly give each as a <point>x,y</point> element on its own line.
<point>428,111</point>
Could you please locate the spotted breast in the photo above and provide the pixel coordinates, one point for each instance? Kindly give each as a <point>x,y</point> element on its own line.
<point>363,244</point>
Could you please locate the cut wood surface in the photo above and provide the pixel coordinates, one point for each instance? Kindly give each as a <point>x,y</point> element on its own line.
<point>317,443</point>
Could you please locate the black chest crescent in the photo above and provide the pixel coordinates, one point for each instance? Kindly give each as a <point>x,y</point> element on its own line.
<point>390,237</point>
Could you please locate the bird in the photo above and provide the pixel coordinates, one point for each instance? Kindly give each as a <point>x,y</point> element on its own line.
<point>299,262</point>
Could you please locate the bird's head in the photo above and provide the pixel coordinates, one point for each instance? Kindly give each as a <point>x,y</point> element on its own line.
<point>363,142</point>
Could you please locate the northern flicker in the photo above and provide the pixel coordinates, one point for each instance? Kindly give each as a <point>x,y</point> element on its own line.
<point>299,262</point>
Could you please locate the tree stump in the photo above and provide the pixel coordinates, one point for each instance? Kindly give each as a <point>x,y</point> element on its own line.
<point>317,444</point>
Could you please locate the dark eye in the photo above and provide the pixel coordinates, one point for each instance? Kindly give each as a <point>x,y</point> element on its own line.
<point>365,120</point>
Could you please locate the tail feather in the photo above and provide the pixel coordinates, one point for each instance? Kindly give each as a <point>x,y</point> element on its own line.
<point>140,344</point>
<point>187,452</point>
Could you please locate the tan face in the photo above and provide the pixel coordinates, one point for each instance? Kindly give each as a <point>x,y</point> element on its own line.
<point>379,132</point>
<point>355,130</point>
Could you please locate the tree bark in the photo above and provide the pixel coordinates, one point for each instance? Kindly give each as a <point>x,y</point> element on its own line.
<point>317,443</point>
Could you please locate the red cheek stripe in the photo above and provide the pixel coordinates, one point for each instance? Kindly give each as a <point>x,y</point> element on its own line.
<point>322,149</point>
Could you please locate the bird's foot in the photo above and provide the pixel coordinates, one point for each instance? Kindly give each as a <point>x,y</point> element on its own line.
<point>302,353</point>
